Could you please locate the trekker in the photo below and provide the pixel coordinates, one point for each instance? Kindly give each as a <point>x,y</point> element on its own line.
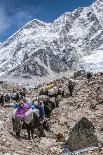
<point>22,109</point>
<point>17,97</point>
<point>39,125</point>
<point>20,112</point>
<point>2,100</point>
<point>71,87</point>
<point>7,98</point>
<point>89,76</point>
<point>40,106</point>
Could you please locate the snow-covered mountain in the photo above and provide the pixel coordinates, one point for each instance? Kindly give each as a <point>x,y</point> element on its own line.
<point>39,48</point>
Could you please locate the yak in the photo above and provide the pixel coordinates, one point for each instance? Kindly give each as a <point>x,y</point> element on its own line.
<point>35,123</point>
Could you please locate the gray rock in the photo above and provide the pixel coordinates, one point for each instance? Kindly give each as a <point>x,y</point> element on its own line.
<point>82,135</point>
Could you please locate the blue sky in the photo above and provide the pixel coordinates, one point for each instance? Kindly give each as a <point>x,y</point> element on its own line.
<point>16,13</point>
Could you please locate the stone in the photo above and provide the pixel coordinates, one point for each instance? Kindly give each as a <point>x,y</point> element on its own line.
<point>82,135</point>
<point>60,137</point>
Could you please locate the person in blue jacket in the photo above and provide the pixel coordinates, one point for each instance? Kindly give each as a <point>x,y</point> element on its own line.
<point>40,107</point>
<point>15,105</point>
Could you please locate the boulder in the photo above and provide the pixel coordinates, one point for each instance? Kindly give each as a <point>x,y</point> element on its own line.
<point>82,135</point>
<point>60,137</point>
<point>79,73</point>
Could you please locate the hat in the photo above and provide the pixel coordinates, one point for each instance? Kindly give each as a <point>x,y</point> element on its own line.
<point>21,103</point>
<point>40,102</point>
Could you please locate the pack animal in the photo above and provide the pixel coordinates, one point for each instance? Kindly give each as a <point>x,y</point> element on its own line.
<point>35,123</point>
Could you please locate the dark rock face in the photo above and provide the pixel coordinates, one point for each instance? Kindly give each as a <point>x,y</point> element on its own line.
<point>29,69</point>
<point>82,135</point>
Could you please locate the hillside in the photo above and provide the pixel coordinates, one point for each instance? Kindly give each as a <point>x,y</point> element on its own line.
<point>84,103</point>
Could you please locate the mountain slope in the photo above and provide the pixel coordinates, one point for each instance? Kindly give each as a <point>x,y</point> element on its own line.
<point>40,49</point>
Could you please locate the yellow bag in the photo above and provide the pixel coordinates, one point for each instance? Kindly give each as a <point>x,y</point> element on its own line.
<point>50,86</point>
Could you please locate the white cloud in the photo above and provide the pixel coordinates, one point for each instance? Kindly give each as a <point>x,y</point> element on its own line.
<point>18,18</point>
<point>24,15</point>
<point>4,21</point>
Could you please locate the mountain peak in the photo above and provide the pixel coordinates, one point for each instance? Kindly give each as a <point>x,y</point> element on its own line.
<point>35,22</point>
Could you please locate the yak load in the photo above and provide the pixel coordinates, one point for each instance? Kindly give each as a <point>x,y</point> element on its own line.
<point>51,90</point>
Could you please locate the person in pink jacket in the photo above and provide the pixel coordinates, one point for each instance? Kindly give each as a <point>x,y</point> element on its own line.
<point>21,110</point>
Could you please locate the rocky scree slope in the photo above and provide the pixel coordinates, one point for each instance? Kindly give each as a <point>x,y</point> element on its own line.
<point>40,49</point>
<point>87,102</point>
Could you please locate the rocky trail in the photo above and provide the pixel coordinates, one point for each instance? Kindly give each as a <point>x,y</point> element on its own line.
<point>87,101</point>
